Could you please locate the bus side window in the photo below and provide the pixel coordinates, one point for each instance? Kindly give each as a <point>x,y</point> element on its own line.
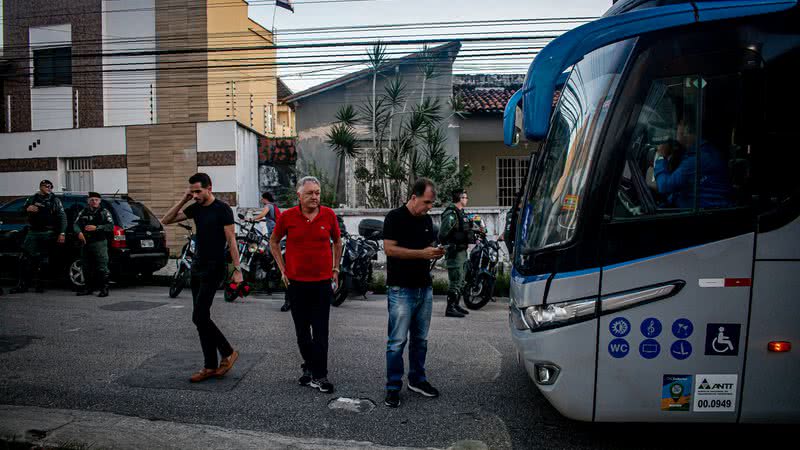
<point>689,149</point>
<point>724,174</point>
<point>660,164</point>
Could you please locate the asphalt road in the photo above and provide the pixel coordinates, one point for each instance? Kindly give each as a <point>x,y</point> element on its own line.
<point>132,353</point>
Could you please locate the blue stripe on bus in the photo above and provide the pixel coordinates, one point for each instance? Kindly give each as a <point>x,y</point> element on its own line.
<point>516,276</point>
<point>533,278</point>
<point>576,273</point>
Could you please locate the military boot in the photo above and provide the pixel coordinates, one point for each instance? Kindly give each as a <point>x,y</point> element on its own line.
<point>451,311</point>
<point>458,307</point>
<point>103,288</point>
<point>38,280</point>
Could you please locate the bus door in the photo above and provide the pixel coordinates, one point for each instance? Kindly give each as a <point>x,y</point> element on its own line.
<point>678,235</point>
<point>772,366</point>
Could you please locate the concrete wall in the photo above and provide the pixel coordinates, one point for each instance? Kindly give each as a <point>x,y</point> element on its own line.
<point>222,177</point>
<point>110,181</point>
<point>216,136</point>
<point>481,128</point>
<point>481,144</point>
<point>24,183</point>
<point>247,190</point>
<point>493,218</point>
<point>228,153</point>
<point>126,95</point>
<point>316,113</point>
<point>482,158</point>
<point>64,143</point>
<point>52,149</point>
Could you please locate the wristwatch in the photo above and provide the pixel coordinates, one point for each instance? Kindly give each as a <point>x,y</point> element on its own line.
<point>237,269</point>
<point>335,269</point>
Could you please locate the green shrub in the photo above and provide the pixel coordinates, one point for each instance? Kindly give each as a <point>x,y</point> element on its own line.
<point>502,285</point>
<point>378,284</point>
<point>440,286</point>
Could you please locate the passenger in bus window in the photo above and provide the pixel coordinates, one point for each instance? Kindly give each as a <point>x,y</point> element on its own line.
<point>675,168</point>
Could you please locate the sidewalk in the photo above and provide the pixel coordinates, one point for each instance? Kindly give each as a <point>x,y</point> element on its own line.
<point>100,430</point>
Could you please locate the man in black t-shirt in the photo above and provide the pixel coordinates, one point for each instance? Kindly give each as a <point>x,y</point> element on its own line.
<point>214,227</point>
<point>409,240</point>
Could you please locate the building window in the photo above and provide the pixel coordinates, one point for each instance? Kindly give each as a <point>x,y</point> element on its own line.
<point>52,67</point>
<point>511,173</point>
<point>79,175</point>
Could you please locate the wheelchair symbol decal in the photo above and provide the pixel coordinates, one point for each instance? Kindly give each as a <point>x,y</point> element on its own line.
<point>722,339</point>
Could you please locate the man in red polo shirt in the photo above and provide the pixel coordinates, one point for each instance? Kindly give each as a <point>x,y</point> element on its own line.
<point>313,252</point>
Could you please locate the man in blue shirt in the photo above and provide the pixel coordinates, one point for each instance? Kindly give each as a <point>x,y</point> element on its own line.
<point>675,170</point>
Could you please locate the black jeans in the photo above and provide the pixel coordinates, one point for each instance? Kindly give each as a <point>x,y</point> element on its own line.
<point>311,307</point>
<point>206,277</point>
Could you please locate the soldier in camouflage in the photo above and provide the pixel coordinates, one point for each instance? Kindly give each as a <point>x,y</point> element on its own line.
<point>456,233</point>
<point>46,222</point>
<point>93,226</point>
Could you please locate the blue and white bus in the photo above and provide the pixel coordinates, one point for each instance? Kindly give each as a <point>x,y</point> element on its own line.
<point>656,267</point>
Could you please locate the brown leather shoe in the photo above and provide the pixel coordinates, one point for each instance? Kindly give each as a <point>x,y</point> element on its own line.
<point>226,364</point>
<point>203,375</point>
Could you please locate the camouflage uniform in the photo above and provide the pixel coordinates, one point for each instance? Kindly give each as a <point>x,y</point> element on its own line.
<point>94,255</point>
<point>45,226</point>
<point>455,232</point>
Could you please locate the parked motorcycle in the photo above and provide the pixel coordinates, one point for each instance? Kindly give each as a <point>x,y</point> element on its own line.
<point>355,269</point>
<point>481,274</point>
<point>181,276</point>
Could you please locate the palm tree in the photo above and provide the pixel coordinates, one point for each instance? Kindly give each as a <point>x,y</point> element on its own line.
<point>342,139</point>
<point>427,68</point>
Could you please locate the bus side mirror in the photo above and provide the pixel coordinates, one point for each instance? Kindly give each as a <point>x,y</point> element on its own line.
<point>512,120</point>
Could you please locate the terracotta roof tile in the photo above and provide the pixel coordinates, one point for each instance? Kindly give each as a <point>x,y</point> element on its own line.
<point>490,100</point>
<point>485,100</point>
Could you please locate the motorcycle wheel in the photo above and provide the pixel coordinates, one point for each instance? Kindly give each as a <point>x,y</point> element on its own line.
<point>479,293</point>
<point>177,283</point>
<point>340,295</point>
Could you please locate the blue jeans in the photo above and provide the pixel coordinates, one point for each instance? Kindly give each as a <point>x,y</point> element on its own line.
<point>409,314</point>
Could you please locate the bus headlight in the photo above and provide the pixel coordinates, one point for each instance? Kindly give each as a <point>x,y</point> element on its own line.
<point>557,314</point>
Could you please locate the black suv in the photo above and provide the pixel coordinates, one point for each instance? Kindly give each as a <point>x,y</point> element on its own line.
<point>138,245</point>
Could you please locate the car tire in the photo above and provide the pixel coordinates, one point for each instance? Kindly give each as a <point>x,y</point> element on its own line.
<point>75,275</point>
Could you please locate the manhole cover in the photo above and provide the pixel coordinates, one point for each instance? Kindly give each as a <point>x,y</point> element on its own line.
<point>13,343</point>
<point>132,306</point>
<point>356,405</point>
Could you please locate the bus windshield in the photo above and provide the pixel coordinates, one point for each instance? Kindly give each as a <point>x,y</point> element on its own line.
<point>551,211</point>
